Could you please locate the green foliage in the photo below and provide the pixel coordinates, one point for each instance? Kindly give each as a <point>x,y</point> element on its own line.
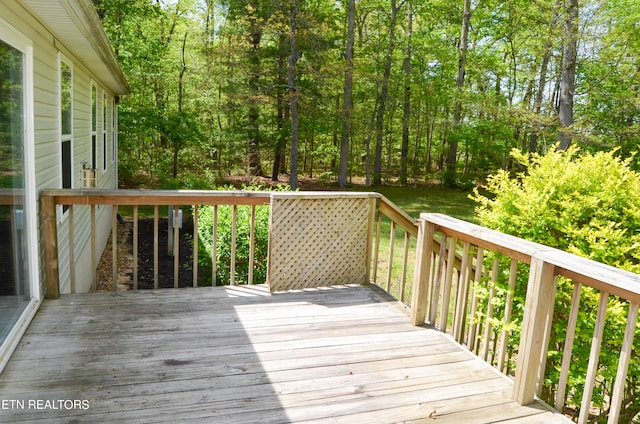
<point>224,240</point>
<point>589,205</point>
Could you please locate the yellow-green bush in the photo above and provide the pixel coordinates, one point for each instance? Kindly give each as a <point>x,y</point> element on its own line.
<point>589,205</point>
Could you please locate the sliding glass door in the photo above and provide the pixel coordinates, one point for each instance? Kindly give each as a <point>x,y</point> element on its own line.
<point>14,271</point>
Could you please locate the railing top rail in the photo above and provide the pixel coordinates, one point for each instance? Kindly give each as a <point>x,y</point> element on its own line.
<point>157,197</point>
<point>603,277</point>
<point>323,195</point>
<point>388,208</point>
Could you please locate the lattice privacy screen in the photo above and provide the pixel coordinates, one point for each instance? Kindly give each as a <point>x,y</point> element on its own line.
<point>317,242</point>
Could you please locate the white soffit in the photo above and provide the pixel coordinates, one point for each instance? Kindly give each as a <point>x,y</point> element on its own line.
<point>76,25</point>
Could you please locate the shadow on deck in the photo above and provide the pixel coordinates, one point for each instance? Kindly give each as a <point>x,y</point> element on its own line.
<point>239,354</point>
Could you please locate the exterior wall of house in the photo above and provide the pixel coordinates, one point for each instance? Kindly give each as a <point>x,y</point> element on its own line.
<point>47,53</point>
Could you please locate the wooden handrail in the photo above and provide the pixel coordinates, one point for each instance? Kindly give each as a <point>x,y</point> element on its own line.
<point>603,277</point>
<point>546,264</point>
<point>50,198</point>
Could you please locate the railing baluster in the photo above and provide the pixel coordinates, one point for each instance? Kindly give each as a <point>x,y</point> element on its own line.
<point>446,289</point>
<point>156,219</point>
<point>392,237</point>
<point>232,270</point>
<point>377,249</point>
<point>568,347</point>
<point>195,245</point>
<point>214,246</point>
<point>114,246</point>
<point>72,254</point>
<point>461,295</point>
<point>513,273</point>
<point>135,247</point>
<point>438,280</point>
<point>252,229</point>
<point>405,255</point>
<point>596,344</point>
<point>486,338</point>
<point>623,364</point>
<point>176,246</point>
<point>94,259</point>
<point>473,327</point>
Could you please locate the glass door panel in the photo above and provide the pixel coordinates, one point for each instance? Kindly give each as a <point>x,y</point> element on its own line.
<point>14,281</point>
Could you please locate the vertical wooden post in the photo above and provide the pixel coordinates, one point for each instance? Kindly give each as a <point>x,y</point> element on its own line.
<point>534,341</point>
<point>94,254</point>
<point>252,242</point>
<point>114,246</point>
<point>232,265</point>
<point>403,276</point>
<point>369,248</point>
<point>156,219</point>
<point>176,246</point>
<point>195,245</point>
<point>214,247</point>
<point>135,247</point>
<point>594,356</point>
<point>392,241</point>
<point>623,364</point>
<point>421,281</point>
<point>50,233</point>
<point>72,252</point>
<point>377,249</point>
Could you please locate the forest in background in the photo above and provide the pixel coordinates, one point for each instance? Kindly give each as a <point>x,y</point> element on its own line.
<point>387,91</point>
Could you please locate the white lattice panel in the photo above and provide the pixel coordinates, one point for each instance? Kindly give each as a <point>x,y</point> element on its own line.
<point>317,242</point>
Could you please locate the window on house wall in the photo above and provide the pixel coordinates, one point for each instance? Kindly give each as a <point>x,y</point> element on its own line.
<point>113,131</point>
<point>66,123</point>
<point>94,127</point>
<point>104,131</point>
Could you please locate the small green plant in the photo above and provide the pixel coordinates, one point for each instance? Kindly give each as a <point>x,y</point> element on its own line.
<point>224,240</point>
<point>587,204</point>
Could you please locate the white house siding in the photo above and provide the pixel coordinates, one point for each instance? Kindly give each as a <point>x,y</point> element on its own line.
<point>46,47</point>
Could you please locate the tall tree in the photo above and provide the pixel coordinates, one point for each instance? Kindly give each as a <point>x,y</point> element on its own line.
<point>404,152</point>
<point>347,104</point>
<point>452,154</point>
<point>293,96</point>
<point>568,75</point>
<point>384,92</point>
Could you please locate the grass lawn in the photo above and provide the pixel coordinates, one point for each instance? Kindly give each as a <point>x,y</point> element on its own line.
<point>414,201</point>
<point>455,203</point>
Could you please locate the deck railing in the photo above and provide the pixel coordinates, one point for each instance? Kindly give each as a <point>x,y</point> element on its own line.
<point>475,298</point>
<point>52,199</point>
<point>494,293</point>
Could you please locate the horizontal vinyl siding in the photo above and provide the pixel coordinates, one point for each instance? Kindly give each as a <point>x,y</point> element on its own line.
<point>47,144</point>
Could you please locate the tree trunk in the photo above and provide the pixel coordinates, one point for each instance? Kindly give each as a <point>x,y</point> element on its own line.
<point>407,99</point>
<point>384,93</point>
<point>183,68</point>
<point>347,105</point>
<point>253,116</point>
<point>280,105</point>
<point>568,76</point>
<point>452,154</point>
<point>293,99</point>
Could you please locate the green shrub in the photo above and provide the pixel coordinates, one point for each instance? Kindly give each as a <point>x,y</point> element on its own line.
<point>224,240</point>
<point>589,205</point>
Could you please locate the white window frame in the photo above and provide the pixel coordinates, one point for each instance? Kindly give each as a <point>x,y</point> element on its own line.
<point>93,127</point>
<point>13,37</point>
<point>105,148</point>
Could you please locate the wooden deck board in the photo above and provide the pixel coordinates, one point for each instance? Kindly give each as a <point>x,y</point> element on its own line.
<point>239,354</point>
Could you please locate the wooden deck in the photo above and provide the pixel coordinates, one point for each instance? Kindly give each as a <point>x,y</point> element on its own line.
<point>239,354</point>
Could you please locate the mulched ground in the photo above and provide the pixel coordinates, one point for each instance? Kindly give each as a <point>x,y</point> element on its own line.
<point>145,257</point>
